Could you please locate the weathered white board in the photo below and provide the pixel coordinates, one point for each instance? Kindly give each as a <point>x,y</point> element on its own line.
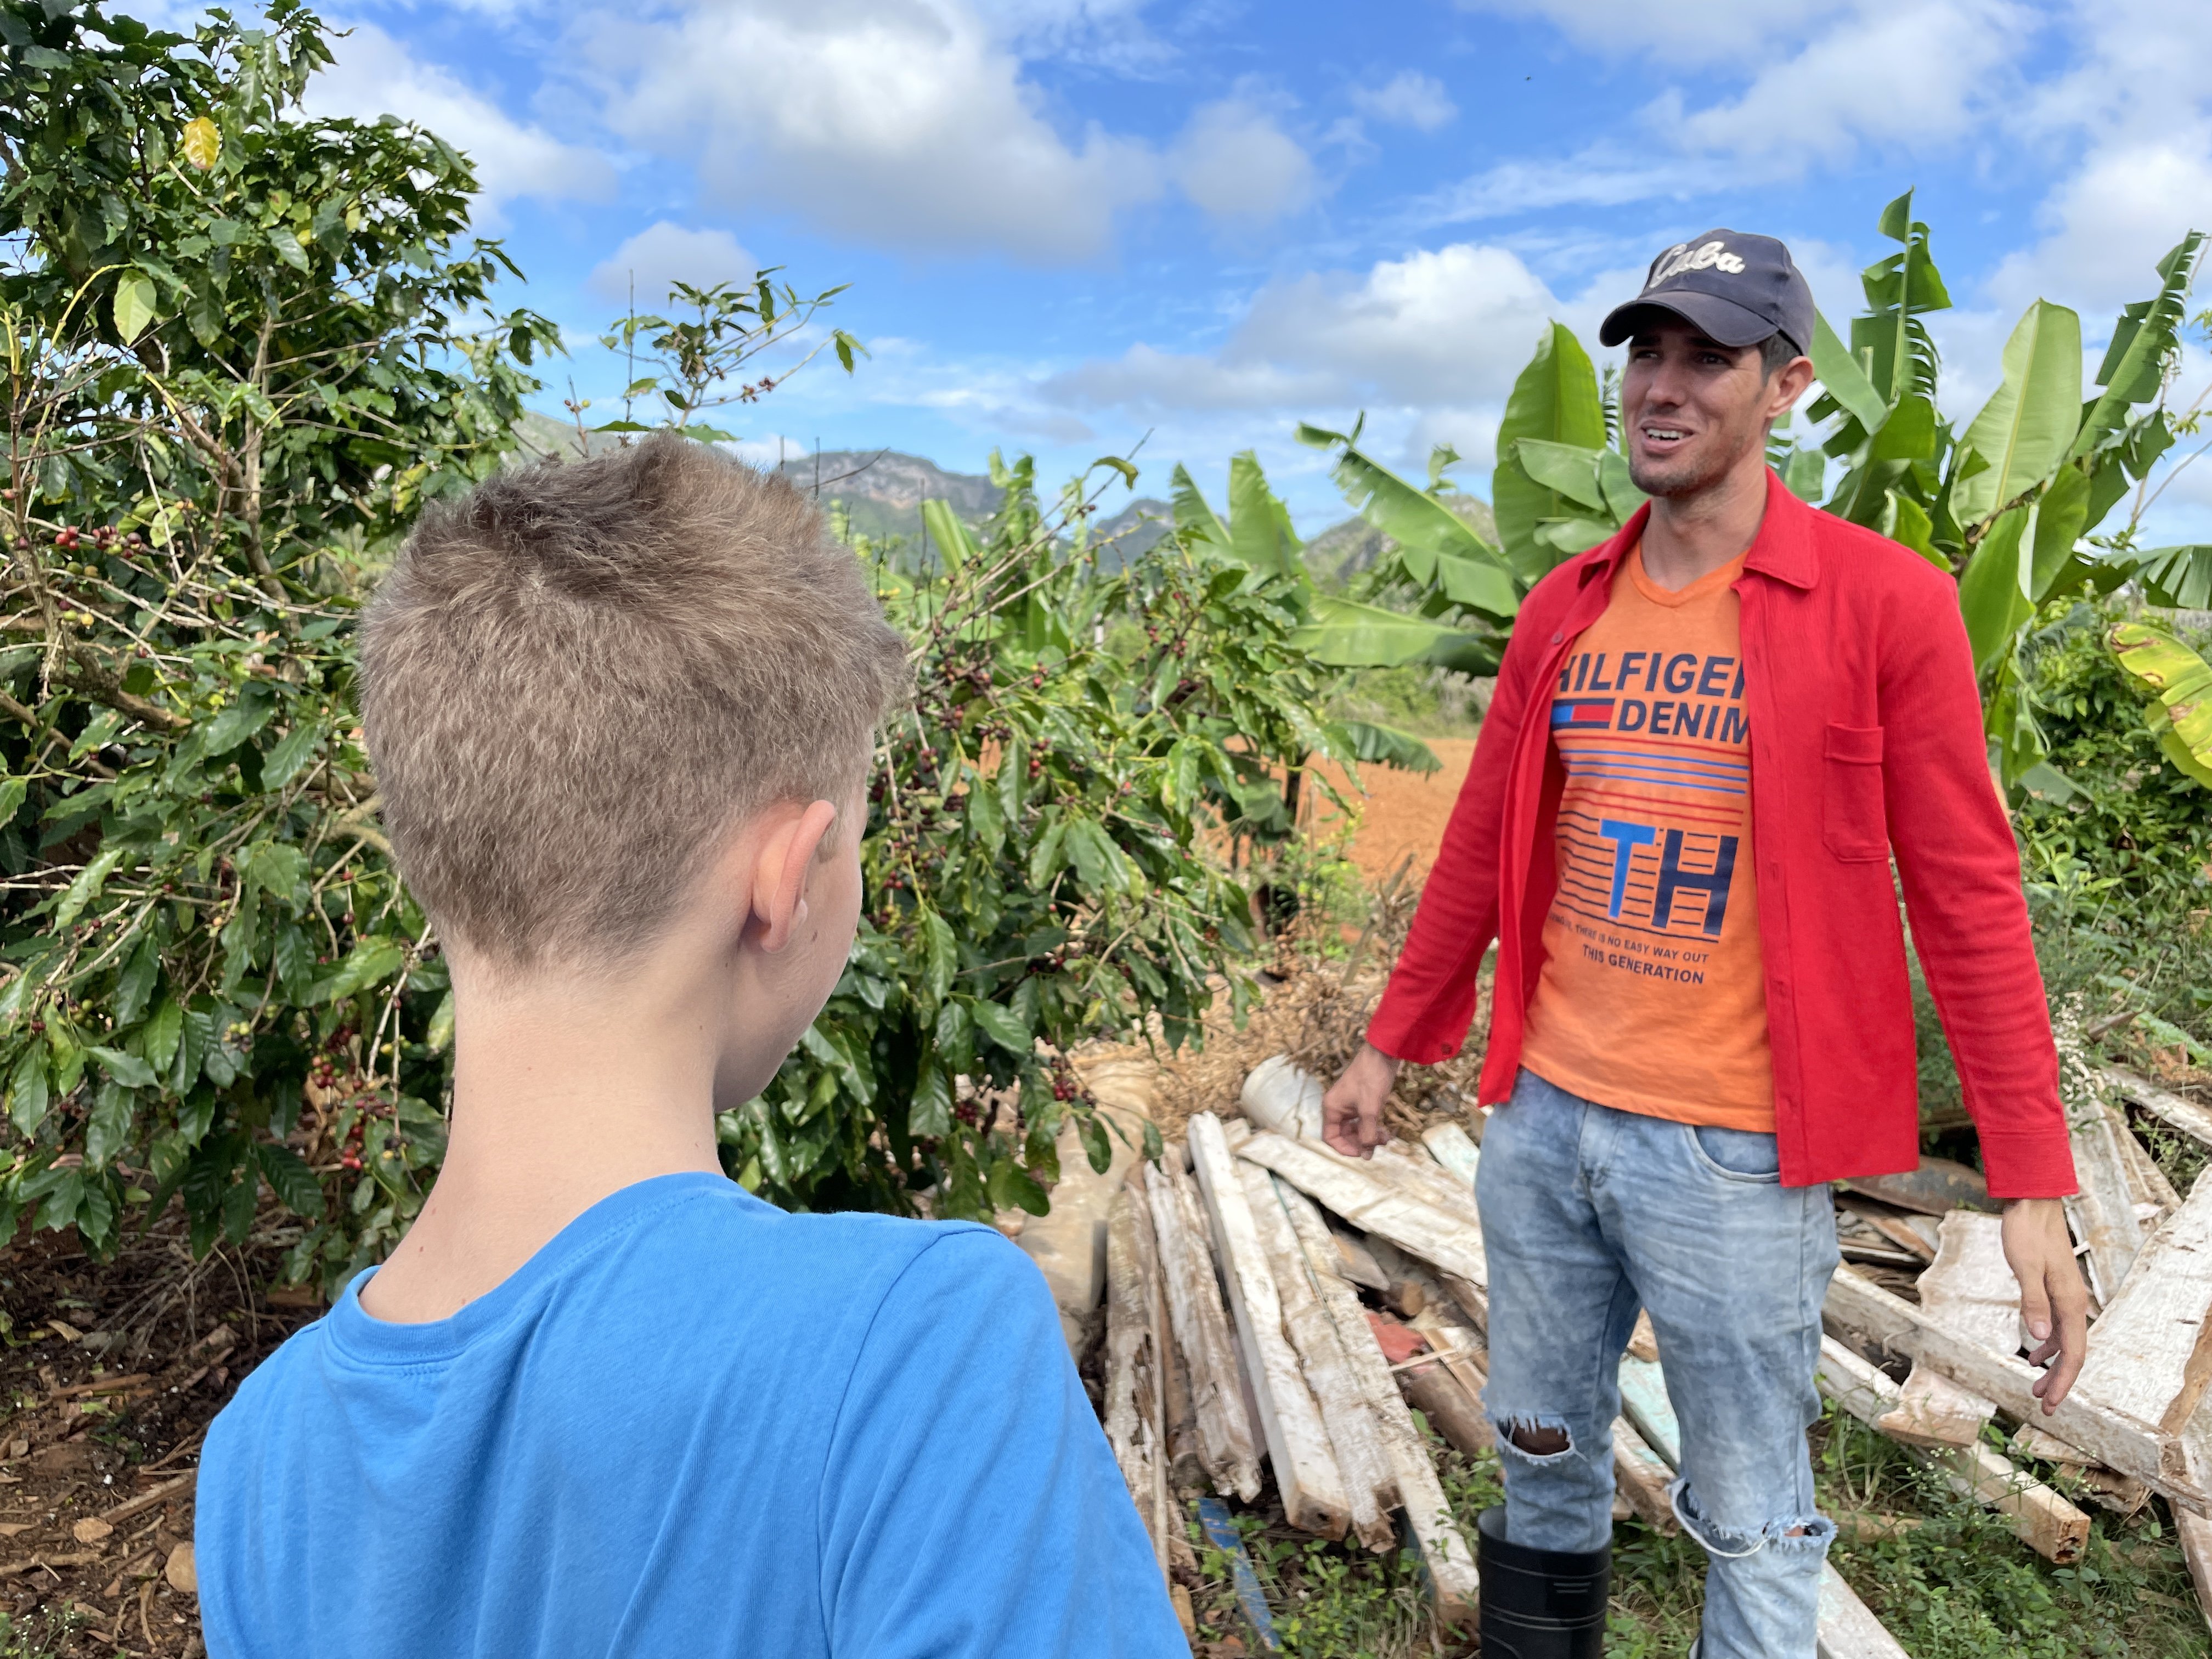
<point>2038,1517</point>
<point>2151,1452</point>
<point>1373,1204</point>
<point>1306,1475</point>
<point>1971,1288</point>
<point>1370,1486</point>
<point>1226,1442</point>
<point>1443,1547</point>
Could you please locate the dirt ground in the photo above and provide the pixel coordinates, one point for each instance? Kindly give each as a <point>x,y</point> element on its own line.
<point>111,1374</point>
<point>1404,812</point>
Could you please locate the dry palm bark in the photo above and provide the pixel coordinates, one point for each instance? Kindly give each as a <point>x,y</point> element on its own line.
<point>1135,1385</point>
<point>2186,1115</point>
<point>1455,1149</point>
<point>2103,1207</point>
<point>1425,1178</point>
<point>1306,1475</point>
<point>1642,1477</point>
<point>2195,1533</point>
<point>2150,1352</point>
<point>2123,1494</point>
<point>1371,1201</point>
<point>1227,1446</point>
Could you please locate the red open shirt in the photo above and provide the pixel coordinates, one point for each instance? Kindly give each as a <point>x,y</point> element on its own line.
<point>1866,740</point>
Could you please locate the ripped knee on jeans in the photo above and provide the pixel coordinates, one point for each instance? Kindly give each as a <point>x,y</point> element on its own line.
<point>1810,1532</point>
<point>1535,1437</point>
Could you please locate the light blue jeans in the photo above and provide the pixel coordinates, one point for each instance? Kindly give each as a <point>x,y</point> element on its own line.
<point>1588,1213</point>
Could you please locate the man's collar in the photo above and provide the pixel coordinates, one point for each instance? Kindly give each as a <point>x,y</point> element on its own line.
<point>1783,548</point>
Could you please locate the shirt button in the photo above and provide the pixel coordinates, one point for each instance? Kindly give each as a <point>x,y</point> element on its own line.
<point>1556,638</point>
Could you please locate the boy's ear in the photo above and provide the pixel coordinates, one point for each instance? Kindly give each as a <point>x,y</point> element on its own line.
<point>787,853</point>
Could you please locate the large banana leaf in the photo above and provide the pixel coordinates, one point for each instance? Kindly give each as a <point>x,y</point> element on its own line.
<point>2144,340</point>
<point>1193,516</point>
<point>2061,515</point>
<point>1437,546</point>
<point>1555,400</point>
<point>1372,742</point>
<point>2016,740</point>
<point>2024,429</point>
<point>1570,470</point>
<point>1993,594</point>
<point>2179,578</point>
<point>1260,532</point>
<point>1890,340</point>
<point>1345,634</point>
<point>1908,432</point>
<point>1844,377</point>
<point>2182,682</point>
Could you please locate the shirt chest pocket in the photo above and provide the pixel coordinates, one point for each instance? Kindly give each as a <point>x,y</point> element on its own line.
<point>1853,821</point>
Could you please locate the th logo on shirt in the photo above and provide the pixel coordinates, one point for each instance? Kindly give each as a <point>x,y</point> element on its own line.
<point>1656,749</point>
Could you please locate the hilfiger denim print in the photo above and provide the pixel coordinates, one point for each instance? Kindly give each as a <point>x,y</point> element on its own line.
<point>1651,999</point>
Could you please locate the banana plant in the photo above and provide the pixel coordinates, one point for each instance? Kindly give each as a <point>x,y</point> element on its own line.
<point>2009,504</point>
<point>1257,532</point>
<point>2179,683</point>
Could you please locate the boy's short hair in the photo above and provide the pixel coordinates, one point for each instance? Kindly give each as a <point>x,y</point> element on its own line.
<point>577,676</point>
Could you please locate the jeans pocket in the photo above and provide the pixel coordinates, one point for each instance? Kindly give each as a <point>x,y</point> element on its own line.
<point>1853,821</point>
<point>1741,1155</point>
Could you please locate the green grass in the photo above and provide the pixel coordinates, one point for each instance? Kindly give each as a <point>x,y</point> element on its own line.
<point>1953,1584</point>
<point>19,1640</point>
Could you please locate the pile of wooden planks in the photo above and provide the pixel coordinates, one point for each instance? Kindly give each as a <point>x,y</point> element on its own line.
<point>1316,1302</point>
<point>1239,1329</point>
<point>1271,1302</point>
<point>2137,1422</point>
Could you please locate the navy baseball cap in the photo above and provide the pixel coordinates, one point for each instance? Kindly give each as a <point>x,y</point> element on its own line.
<point>1737,289</point>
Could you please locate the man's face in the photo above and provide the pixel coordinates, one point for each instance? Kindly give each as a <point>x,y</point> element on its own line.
<point>1693,409</point>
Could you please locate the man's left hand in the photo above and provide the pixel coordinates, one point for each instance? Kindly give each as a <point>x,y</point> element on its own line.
<point>2053,1300</point>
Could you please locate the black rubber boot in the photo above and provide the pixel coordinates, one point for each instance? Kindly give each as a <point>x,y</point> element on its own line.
<point>1539,1604</point>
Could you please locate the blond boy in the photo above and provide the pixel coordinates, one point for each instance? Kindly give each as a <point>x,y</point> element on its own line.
<point>601,1400</point>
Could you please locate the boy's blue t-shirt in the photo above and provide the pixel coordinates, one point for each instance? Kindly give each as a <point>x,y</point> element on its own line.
<point>695,1425</point>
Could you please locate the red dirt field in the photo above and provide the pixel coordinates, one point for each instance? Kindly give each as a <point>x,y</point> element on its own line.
<point>1403,811</point>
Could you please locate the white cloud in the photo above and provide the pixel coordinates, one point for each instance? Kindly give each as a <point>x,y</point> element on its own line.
<point>375,75</point>
<point>1108,34</point>
<point>1886,76</point>
<point>2134,104</point>
<point>1235,163</point>
<point>1710,31</point>
<point>1407,98</point>
<point>1145,379</point>
<point>1450,327</point>
<point>903,122</point>
<point>663,254</point>
<point>1600,177</point>
<point>2110,223</point>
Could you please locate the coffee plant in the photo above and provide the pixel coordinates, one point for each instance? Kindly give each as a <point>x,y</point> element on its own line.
<point>1037,859</point>
<point>244,345</point>
<point>237,361</point>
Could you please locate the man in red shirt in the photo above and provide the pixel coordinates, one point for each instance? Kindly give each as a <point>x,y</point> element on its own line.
<point>1711,735</point>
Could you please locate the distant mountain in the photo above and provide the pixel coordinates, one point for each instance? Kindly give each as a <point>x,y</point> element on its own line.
<point>1344,550</point>
<point>882,490</point>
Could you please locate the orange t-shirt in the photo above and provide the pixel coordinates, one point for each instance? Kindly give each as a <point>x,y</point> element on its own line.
<point>1653,995</point>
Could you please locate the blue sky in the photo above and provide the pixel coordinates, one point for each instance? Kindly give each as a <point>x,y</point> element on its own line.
<point>1071,223</point>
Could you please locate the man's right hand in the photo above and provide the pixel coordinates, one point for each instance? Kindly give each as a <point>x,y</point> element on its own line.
<point>1351,1111</point>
